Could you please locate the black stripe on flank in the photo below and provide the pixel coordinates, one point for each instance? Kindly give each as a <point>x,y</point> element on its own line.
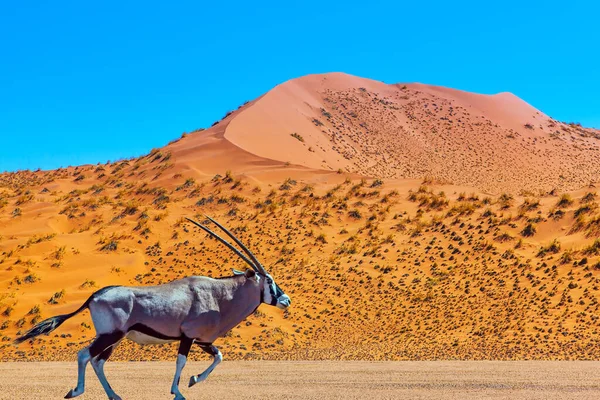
<point>146,330</point>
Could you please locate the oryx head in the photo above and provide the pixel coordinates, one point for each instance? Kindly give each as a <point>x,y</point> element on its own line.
<point>271,293</point>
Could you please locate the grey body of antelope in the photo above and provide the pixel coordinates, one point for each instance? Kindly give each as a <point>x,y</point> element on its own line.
<point>192,310</point>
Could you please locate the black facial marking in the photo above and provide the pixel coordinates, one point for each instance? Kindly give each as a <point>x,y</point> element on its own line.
<point>103,342</point>
<point>278,291</point>
<point>146,330</point>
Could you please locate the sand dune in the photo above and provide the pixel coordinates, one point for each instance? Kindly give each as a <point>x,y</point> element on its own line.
<point>495,143</point>
<point>458,233</point>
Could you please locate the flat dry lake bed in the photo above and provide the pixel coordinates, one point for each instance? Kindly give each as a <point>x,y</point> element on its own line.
<point>316,380</point>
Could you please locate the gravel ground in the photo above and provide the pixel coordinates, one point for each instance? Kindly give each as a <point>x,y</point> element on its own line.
<point>317,380</point>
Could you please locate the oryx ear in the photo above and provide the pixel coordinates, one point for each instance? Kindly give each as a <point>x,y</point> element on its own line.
<point>250,273</point>
<point>236,272</point>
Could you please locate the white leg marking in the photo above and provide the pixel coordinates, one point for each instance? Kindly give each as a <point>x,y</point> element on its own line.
<point>181,359</point>
<point>98,366</point>
<point>199,378</point>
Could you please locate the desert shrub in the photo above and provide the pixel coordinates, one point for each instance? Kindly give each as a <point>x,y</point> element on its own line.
<point>87,284</point>
<point>56,297</point>
<point>161,201</point>
<point>566,257</point>
<point>556,214</point>
<point>428,199</point>
<point>529,230</point>
<point>505,201</point>
<point>25,198</point>
<point>462,208</point>
<point>593,249</point>
<point>504,237</point>
<point>553,247</point>
<point>189,182</point>
<point>34,310</point>
<point>130,208</point>
<point>593,227</point>
<point>529,205</point>
<point>31,278</point>
<point>355,214</point>
<point>588,198</point>
<point>564,201</point>
<point>111,245</point>
<point>228,178</point>
<point>585,209</point>
<point>287,184</point>
<point>59,253</point>
<point>376,183</point>
<point>297,136</point>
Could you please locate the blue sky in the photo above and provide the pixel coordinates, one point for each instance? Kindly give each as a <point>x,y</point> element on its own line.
<point>86,83</point>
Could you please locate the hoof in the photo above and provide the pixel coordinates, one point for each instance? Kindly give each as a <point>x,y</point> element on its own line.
<point>73,393</point>
<point>179,397</point>
<point>114,397</point>
<point>193,381</point>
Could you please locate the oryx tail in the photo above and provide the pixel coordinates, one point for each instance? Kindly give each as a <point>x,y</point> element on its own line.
<point>50,324</point>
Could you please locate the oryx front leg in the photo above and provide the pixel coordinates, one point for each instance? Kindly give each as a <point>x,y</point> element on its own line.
<point>184,349</point>
<point>217,358</point>
<point>101,343</point>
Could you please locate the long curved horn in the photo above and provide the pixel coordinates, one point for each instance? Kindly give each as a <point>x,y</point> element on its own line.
<point>259,266</point>
<point>225,242</point>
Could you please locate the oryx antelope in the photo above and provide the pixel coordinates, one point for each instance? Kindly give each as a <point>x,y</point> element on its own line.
<point>195,309</point>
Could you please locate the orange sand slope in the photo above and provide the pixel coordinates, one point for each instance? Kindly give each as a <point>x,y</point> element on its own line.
<point>379,266</point>
<point>496,143</point>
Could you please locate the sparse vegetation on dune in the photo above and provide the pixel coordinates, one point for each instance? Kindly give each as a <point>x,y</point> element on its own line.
<point>405,272</point>
<point>378,268</point>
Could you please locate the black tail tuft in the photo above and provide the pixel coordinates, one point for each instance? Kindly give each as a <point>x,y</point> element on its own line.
<point>44,327</point>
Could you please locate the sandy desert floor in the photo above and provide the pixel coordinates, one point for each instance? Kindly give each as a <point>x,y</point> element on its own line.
<point>318,380</point>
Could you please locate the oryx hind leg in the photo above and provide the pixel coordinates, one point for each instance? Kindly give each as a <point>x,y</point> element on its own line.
<point>83,357</point>
<point>98,365</point>
<point>217,358</point>
<point>184,348</point>
<point>101,343</point>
